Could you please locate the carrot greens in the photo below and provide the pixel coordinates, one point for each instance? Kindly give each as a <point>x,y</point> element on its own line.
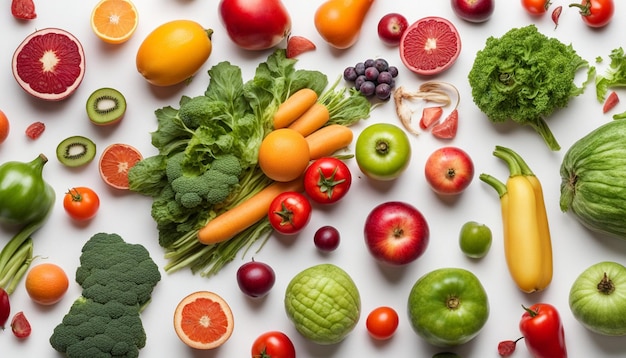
<point>230,118</point>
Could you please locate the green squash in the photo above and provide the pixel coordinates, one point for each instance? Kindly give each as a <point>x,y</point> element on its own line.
<point>593,179</point>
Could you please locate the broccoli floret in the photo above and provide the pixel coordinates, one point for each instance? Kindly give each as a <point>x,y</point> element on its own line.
<point>525,76</point>
<point>117,280</point>
<point>195,111</point>
<point>174,166</point>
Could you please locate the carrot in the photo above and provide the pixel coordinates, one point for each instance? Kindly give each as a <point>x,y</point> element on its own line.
<point>228,224</point>
<point>294,107</point>
<point>313,119</point>
<point>327,140</point>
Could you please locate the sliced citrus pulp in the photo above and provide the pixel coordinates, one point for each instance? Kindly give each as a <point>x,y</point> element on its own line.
<point>114,21</point>
<point>430,46</point>
<point>203,320</point>
<point>49,64</point>
<point>115,162</point>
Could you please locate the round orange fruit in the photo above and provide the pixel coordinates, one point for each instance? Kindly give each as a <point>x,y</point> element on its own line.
<point>115,162</point>
<point>46,283</point>
<point>4,127</point>
<point>114,21</point>
<point>284,155</point>
<point>203,320</point>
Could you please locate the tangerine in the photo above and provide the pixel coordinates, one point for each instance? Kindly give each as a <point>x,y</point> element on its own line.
<point>430,45</point>
<point>4,127</point>
<point>114,21</point>
<point>46,283</point>
<point>203,320</point>
<point>115,162</point>
<point>284,155</point>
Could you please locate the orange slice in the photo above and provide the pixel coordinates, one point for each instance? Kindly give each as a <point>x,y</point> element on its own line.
<point>203,320</point>
<point>114,21</point>
<point>115,162</point>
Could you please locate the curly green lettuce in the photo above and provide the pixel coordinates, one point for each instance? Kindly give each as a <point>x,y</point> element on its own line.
<point>525,76</point>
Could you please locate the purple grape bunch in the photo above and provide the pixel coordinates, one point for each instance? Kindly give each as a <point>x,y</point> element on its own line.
<point>372,77</point>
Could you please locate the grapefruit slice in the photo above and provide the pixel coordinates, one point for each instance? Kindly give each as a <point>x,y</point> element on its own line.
<point>430,46</point>
<point>297,45</point>
<point>114,21</point>
<point>115,162</point>
<point>49,64</point>
<point>448,127</point>
<point>203,320</point>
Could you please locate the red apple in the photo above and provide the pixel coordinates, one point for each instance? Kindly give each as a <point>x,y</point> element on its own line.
<point>449,170</point>
<point>391,27</point>
<point>396,233</point>
<point>473,10</point>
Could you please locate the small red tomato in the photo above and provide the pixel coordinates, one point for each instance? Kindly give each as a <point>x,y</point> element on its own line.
<point>81,203</point>
<point>382,322</point>
<point>290,212</point>
<point>536,7</point>
<point>596,13</point>
<point>274,344</point>
<point>20,325</point>
<point>327,180</point>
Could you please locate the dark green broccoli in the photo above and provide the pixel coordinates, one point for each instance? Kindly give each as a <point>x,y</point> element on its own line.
<point>195,111</point>
<point>117,280</point>
<point>525,76</point>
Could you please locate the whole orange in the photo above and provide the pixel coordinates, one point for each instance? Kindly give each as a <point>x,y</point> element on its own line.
<point>284,155</point>
<point>46,283</point>
<point>4,127</point>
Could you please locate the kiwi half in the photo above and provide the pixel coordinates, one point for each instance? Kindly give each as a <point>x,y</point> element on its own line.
<point>106,106</point>
<point>76,151</point>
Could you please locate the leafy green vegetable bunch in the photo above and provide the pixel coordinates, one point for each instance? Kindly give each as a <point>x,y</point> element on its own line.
<point>525,76</point>
<point>208,149</point>
<point>615,76</point>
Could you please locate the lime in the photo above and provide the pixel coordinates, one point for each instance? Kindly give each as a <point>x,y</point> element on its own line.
<point>323,303</point>
<point>475,239</point>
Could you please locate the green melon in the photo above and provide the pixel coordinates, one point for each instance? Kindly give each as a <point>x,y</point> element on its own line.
<point>593,184</point>
<point>323,303</point>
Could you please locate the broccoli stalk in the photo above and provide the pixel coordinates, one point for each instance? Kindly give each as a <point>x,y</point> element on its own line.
<point>525,76</point>
<point>117,280</point>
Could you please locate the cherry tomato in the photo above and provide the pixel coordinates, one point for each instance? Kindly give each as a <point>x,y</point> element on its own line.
<point>596,13</point>
<point>274,344</point>
<point>290,212</point>
<point>382,322</point>
<point>327,180</point>
<point>81,203</point>
<point>536,7</point>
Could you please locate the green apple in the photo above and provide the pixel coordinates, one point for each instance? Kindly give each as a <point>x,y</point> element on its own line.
<point>475,239</point>
<point>383,151</point>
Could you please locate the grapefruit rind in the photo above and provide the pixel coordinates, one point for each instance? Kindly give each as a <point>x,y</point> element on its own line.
<point>51,86</point>
<point>114,171</point>
<point>420,46</point>
<point>199,303</point>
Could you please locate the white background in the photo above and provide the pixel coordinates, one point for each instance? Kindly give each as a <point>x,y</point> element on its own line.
<point>128,214</point>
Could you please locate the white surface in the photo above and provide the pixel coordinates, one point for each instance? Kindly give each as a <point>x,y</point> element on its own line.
<point>129,214</point>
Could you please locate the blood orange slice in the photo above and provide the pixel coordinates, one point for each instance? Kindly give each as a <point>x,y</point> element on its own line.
<point>203,320</point>
<point>49,64</point>
<point>430,46</point>
<point>115,162</point>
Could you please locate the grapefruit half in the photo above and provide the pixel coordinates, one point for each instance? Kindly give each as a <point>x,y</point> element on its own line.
<point>115,162</point>
<point>203,320</point>
<point>49,64</point>
<point>430,46</point>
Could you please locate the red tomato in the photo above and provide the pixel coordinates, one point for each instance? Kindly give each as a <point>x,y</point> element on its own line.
<point>273,344</point>
<point>20,326</point>
<point>382,322</point>
<point>290,212</point>
<point>81,203</point>
<point>536,7</point>
<point>327,180</point>
<point>596,13</point>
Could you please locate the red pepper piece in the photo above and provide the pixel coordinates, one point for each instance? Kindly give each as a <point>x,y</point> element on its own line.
<point>611,101</point>
<point>543,331</point>
<point>556,14</point>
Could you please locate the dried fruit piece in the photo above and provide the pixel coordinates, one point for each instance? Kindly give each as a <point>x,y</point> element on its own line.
<point>447,129</point>
<point>506,348</point>
<point>49,64</point>
<point>430,116</point>
<point>23,9</point>
<point>611,101</point>
<point>35,130</point>
<point>297,45</point>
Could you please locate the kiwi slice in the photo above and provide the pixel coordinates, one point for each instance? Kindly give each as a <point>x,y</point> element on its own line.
<point>76,151</point>
<point>106,106</point>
